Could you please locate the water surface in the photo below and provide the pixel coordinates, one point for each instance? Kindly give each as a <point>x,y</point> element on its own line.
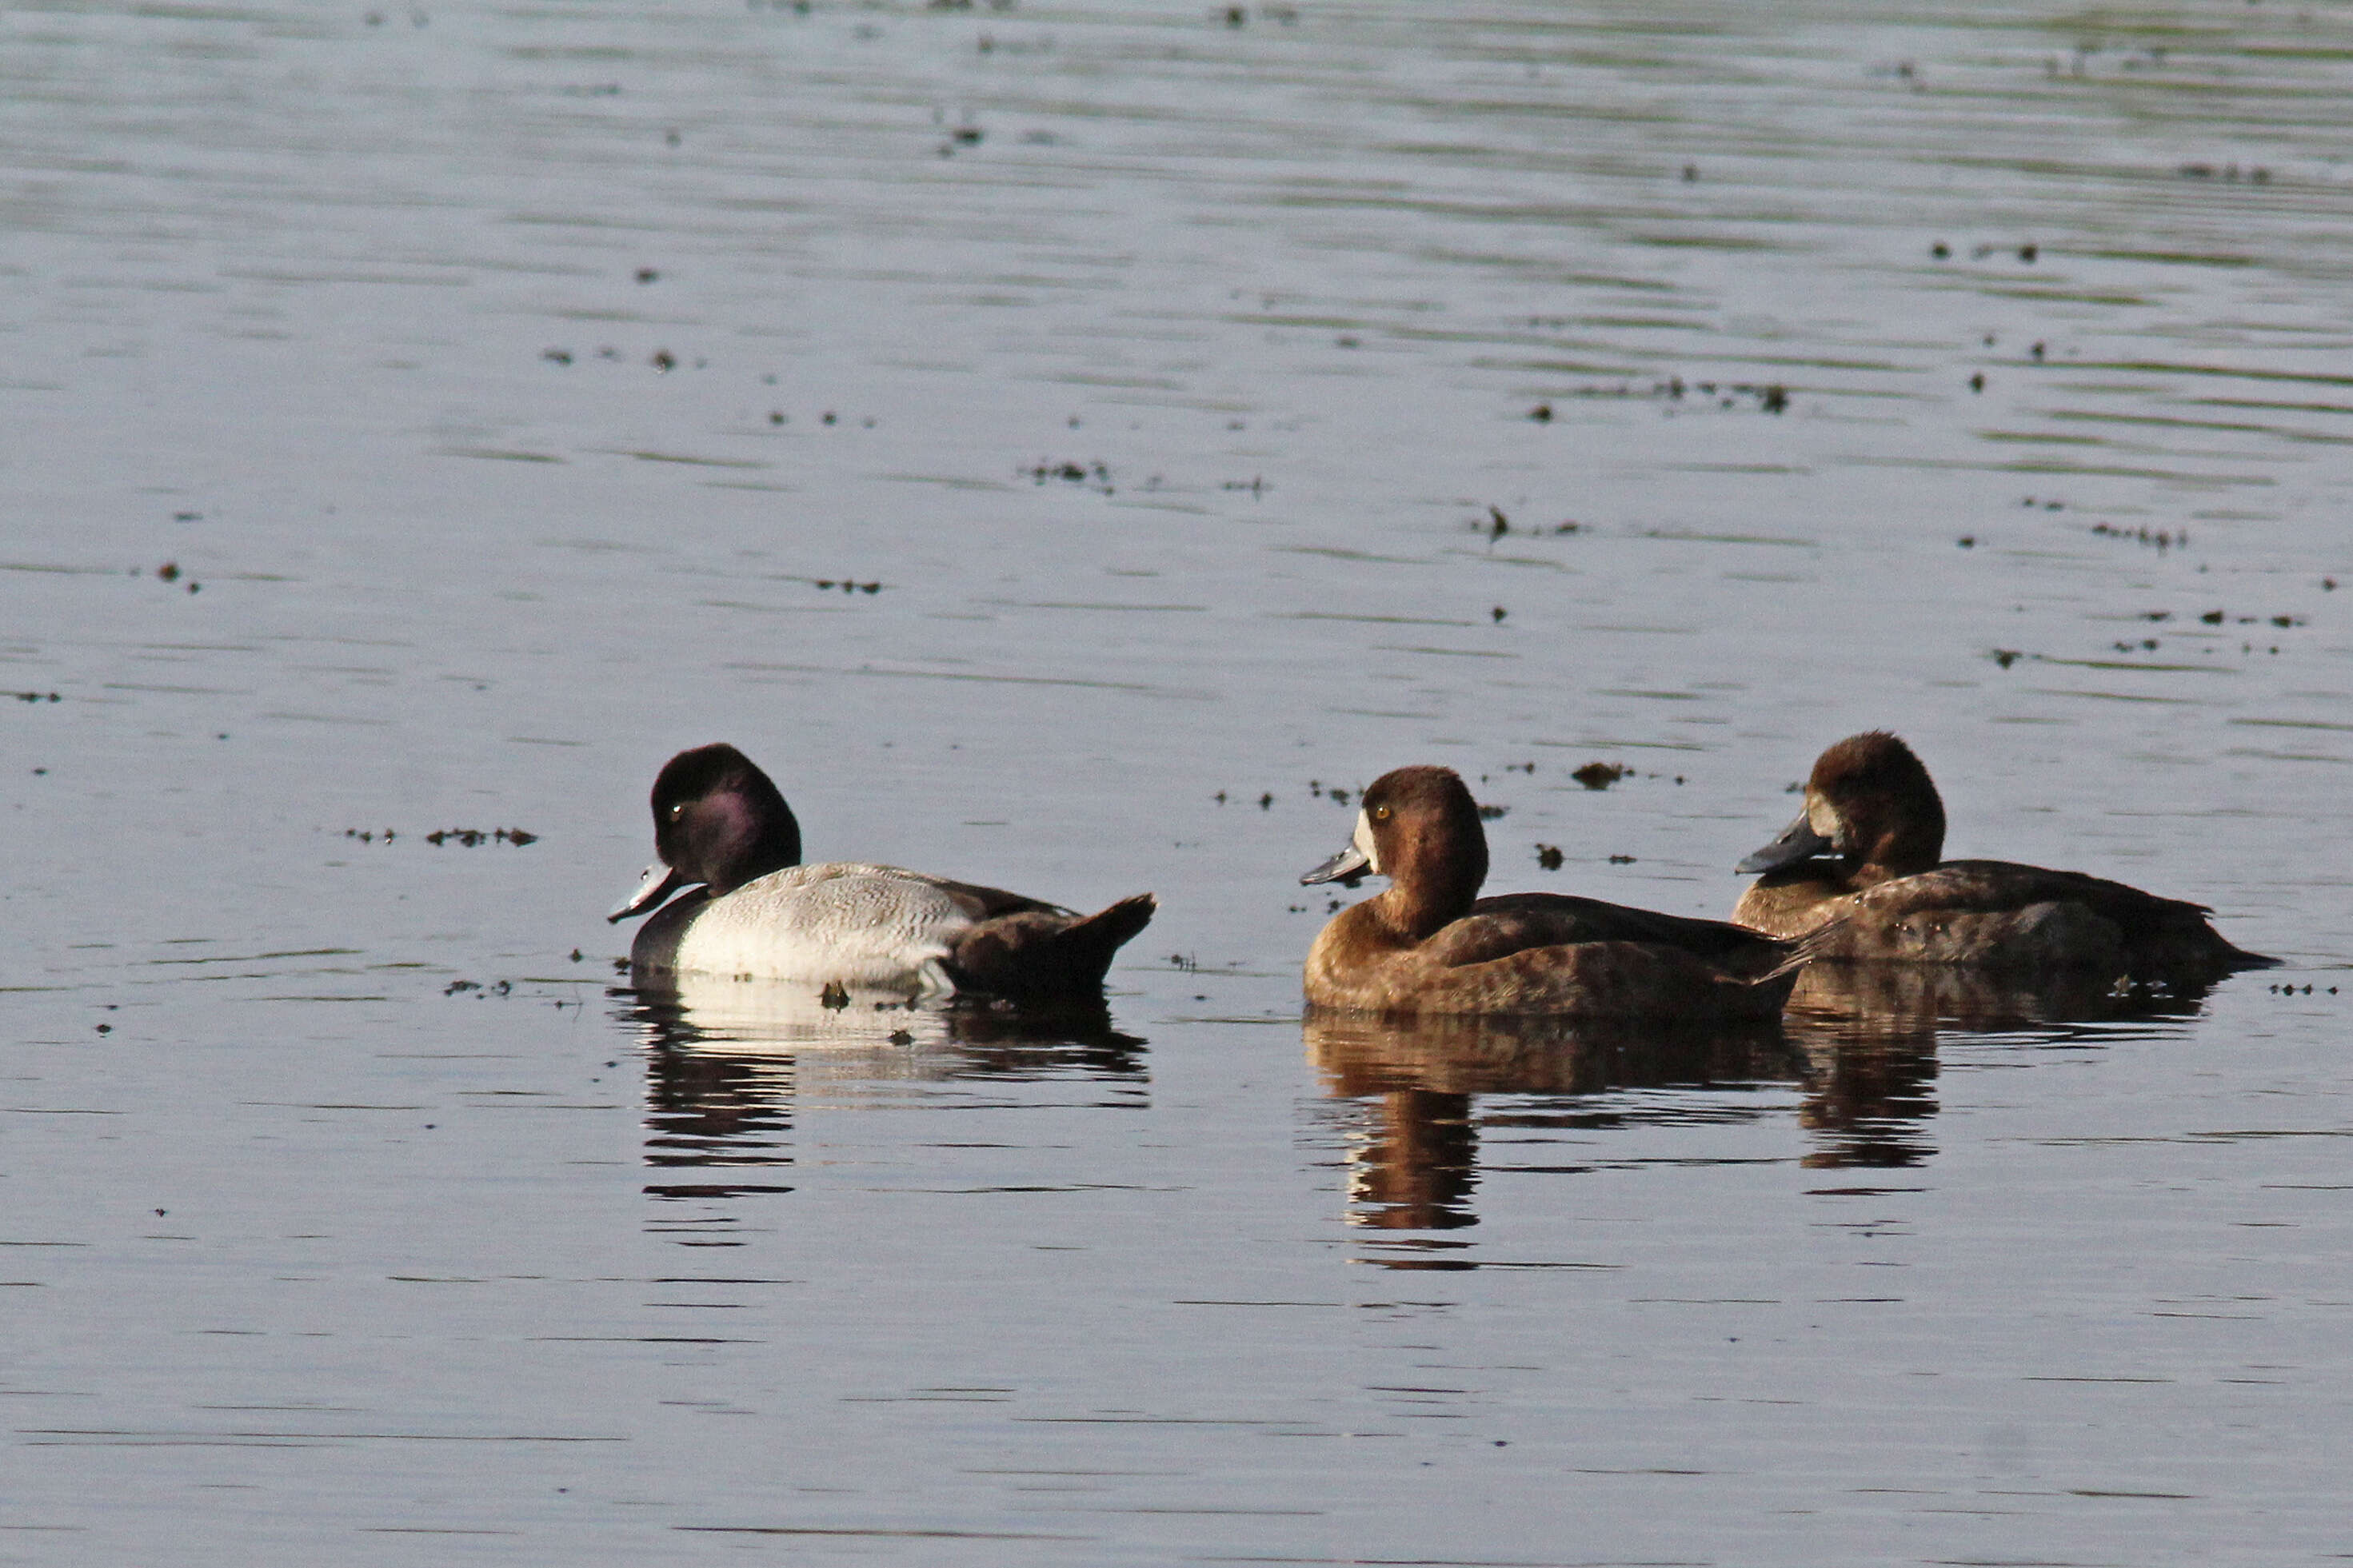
<point>1077,447</point>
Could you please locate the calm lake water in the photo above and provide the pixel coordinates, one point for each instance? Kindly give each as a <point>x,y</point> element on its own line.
<point>1066,444</point>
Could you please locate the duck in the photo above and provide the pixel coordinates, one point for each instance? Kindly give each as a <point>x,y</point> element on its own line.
<point>745,907</point>
<point>1429,944</point>
<point>1866,853</point>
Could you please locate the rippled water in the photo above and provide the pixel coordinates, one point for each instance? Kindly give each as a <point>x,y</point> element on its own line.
<point>1074,447</point>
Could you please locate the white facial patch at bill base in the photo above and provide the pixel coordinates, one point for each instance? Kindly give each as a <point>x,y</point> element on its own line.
<point>1364,846</point>
<point>1823,818</point>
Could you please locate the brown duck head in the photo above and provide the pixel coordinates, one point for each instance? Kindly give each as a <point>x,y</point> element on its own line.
<point>1870,804</point>
<point>1419,828</point>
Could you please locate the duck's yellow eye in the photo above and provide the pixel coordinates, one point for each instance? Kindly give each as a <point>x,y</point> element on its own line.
<point>1380,814</point>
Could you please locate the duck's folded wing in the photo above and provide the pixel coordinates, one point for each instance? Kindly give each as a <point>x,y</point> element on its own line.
<point>1983,911</point>
<point>1993,886</point>
<point>1510,922</point>
<point>988,903</point>
<point>978,902</point>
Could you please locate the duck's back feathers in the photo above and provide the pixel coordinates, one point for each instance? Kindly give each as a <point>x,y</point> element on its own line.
<point>1508,922</point>
<point>2000,914</point>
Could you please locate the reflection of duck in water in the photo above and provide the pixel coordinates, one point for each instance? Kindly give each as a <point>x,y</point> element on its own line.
<point>1416,1166</point>
<point>1866,852</point>
<point>1868,1034</point>
<point>708,1117</point>
<point>1430,945</point>
<point>759,913</point>
<point>876,1034</point>
<point>726,1061</point>
<point>1871,1086</point>
<point>1973,997</point>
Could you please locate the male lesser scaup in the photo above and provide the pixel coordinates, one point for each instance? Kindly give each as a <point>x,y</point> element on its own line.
<point>760,914</point>
<point>1865,851</point>
<point>1430,944</point>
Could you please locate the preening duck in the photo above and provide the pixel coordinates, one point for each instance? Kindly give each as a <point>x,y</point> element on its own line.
<point>1866,852</point>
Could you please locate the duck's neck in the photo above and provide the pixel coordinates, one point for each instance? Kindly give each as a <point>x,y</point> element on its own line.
<point>1902,850</point>
<point>746,845</point>
<point>1415,908</point>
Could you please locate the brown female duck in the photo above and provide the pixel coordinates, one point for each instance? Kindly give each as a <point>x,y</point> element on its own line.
<point>1429,944</point>
<point>1866,852</point>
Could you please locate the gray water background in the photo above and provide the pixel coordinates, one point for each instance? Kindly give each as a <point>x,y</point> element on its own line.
<point>432,418</point>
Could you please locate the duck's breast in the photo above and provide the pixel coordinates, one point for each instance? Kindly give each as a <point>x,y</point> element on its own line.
<point>849,923</point>
<point>1793,901</point>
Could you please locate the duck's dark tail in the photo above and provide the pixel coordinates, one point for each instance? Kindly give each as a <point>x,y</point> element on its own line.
<point>1033,953</point>
<point>2220,957</point>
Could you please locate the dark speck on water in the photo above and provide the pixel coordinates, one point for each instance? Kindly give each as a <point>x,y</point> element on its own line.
<point>470,836</point>
<point>1095,475</point>
<point>1599,776</point>
<point>2160,537</point>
